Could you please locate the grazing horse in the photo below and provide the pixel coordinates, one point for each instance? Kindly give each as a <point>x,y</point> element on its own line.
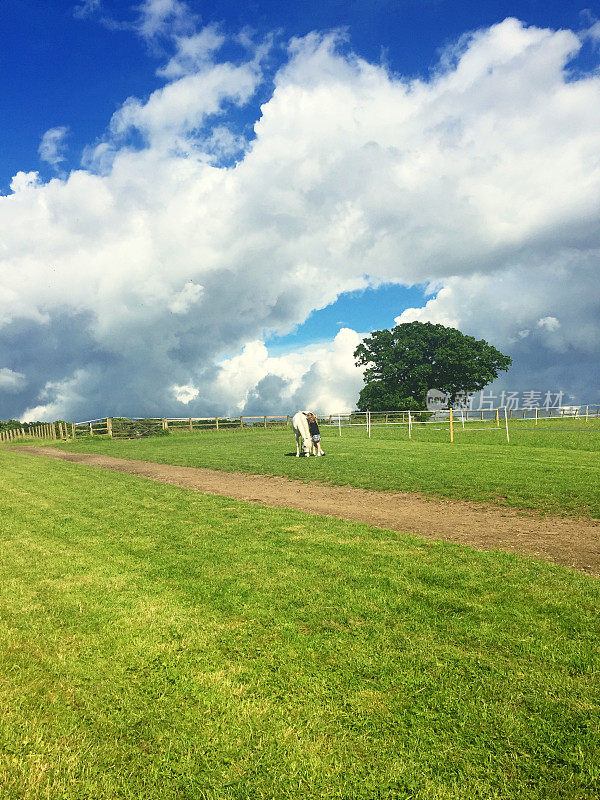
<point>302,434</point>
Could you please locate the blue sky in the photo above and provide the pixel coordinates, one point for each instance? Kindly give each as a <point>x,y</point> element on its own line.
<point>64,67</point>
<point>68,69</point>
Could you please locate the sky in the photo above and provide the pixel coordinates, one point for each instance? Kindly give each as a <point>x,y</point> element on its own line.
<point>204,207</point>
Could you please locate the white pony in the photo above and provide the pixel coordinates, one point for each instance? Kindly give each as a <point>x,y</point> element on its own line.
<point>302,434</point>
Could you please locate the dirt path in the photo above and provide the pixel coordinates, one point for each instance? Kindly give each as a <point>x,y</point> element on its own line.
<point>572,541</point>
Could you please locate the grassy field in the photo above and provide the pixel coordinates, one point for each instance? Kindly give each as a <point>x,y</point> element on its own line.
<point>158,643</point>
<point>551,469</point>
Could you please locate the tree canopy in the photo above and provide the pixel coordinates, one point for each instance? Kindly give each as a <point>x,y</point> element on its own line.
<point>403,363</point>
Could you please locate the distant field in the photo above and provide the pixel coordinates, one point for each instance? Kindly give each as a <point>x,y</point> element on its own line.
<point>552,467</point>
<point>157,643</point>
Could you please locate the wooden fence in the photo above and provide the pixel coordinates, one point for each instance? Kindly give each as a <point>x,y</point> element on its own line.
<point>46,430</point>
<point>138,427</point>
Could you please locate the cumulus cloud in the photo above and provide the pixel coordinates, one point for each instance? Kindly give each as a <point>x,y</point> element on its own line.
<point>172,113</point>
<point>182,301</point>
<point>165,18</point>
<point>482,181</point>
<point>193,52</point>
<point>24,180</point>
<point>53,145</point>
<point>185,394</point>
<point>11,381</point>
<point>550,323</point>
<point>321,376</point>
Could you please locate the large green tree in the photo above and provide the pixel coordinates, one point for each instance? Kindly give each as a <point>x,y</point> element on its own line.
<point>403,363</point>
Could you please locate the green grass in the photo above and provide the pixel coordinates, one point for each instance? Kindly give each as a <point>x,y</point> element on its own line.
<point>159,643</point>
<point>548,469</point>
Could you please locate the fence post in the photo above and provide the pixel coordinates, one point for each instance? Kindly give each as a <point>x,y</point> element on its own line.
<point>451,426</point>
<point>409,427</point>
<point>587,410</point>
<point>506,421</point>
<point>241,422</point>
<point>497,418</point>
<point>265,421</point>
<point>108,427</point>
<point>217,423</point>
<point>340,423</point>
<point>536,415</point>
<point>91,429</point>
<point>190,421</point>
<point>287,420</point>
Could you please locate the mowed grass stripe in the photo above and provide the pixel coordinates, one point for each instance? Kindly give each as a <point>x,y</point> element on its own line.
<point>553,479</point>
<point>159,643</point>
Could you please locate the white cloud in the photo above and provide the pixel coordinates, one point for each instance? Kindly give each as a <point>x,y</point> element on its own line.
<point>483,182</point>
<point>59,395</point>
<point>11,381</point>
<point>193,52</point>
<point>549,323</point>
<point>169,18</point>
<point>174,112</point>
<point>182,301</point>
<point>86,8</point>
<point>185,394</point>
<point>24,180</point>
<point>322,377</point>
<point>52,147</point>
